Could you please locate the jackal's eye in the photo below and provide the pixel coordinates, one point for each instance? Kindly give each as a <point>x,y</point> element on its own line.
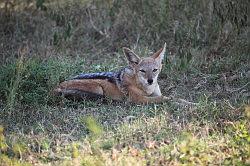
<point>143,71</point>
<point>155,70</point>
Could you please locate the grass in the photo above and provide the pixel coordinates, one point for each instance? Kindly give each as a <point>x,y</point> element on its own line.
<point>207,63</point>
<point>43,129</point>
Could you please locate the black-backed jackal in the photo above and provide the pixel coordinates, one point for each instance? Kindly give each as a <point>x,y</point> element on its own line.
<point>136,83</point>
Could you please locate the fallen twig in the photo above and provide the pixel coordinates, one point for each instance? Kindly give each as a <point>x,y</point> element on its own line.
<point>183,102</point>
<point>236,89</point>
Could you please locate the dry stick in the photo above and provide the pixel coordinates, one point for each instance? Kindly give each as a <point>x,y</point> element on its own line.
<point>183,102</point>
<point>237,89</point>
<point>92,23</point>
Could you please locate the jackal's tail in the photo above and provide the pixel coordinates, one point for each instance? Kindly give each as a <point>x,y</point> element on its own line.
<point>77,88</point>
<point>76,94</point>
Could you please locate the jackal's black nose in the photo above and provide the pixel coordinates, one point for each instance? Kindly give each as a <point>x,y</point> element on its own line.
<point>150,81</point>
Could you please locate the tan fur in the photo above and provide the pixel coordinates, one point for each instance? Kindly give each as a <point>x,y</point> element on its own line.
<point>138,82</point>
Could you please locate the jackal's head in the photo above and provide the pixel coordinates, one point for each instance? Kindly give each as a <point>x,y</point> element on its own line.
<point>146,70</point>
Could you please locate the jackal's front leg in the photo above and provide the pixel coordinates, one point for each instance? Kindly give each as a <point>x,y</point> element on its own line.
<point>148,100</point>
<point>136,98</point>
<point>158,99</point>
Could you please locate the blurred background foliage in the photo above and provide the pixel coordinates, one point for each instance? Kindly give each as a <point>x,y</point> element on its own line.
<point>75,27</point>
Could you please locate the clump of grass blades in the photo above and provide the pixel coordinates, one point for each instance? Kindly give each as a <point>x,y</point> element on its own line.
<point>30,81</point>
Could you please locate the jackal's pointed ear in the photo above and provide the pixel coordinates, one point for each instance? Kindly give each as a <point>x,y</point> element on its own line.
<point>159,55</point>
<point>131,56</point>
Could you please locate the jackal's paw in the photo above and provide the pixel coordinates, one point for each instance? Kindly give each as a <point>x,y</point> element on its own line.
<point>164,98</point>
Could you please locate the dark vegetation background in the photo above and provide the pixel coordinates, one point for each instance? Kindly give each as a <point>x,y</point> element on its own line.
<point>44,42</point>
